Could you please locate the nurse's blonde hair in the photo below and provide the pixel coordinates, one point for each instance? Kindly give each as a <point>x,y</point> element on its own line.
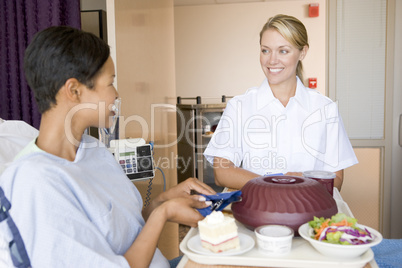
<point>293,31</point>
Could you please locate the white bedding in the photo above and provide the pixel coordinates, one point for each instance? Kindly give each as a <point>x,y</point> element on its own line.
<point>14,136</point>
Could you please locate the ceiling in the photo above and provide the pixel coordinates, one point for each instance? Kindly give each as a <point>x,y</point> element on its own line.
<point>211,2</point>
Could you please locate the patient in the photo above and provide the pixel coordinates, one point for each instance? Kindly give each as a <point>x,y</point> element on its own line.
<point>70,199</point>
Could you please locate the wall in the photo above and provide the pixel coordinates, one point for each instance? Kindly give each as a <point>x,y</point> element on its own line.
<point>143,44</point>
<point>361,187</point>
<point>217,46</point>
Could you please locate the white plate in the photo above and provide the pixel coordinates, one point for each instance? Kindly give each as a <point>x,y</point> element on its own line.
<point>246,244</point>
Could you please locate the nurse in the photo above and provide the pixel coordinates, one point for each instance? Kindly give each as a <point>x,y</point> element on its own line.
<point>280,126</point>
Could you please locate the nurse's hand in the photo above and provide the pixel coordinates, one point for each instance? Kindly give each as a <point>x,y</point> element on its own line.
<point>299,174</point>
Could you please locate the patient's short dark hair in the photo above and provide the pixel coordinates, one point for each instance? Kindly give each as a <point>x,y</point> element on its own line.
<point>57,54</point>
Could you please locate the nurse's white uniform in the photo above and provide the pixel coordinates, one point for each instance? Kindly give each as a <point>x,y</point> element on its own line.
<point>256,132</point>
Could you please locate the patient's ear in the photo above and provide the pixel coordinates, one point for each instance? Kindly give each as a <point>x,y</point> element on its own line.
<point>72,89</point>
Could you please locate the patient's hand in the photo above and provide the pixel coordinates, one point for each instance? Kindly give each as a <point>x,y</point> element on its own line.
<point>185,188</point>
<point>182,191</point>
<point>182,210</point>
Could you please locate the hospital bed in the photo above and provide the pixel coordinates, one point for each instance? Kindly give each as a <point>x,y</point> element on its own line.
<point>14,136</point>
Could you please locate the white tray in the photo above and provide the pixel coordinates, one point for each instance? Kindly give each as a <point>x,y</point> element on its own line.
<point>301,255</point>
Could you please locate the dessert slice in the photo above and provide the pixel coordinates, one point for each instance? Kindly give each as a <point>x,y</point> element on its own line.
<point>218,232</point>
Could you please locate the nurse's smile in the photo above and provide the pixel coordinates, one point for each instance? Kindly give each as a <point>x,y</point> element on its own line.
<point>275,70</point>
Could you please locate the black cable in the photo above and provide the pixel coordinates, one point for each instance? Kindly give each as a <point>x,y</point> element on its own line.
<point>148,195</point>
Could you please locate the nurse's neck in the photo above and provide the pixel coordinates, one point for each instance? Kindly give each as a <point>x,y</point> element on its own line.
<point>283,92</point>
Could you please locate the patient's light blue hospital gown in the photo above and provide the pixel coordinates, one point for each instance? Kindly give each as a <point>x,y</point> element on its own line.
<point>84,213</point>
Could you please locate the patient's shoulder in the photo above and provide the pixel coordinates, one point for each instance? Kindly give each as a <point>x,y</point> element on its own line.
<point>30,184</point>
<point>29,172</point>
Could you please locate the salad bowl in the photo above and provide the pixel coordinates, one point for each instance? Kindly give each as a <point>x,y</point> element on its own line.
<point>338,250</point>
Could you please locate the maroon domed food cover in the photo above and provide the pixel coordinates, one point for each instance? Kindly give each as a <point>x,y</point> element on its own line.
<point>283,200</point>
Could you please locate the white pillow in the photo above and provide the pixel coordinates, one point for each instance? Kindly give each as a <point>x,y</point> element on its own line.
<point>14,136</point>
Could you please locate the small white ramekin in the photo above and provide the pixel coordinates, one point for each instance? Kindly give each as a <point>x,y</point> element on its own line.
<point>274,240</point>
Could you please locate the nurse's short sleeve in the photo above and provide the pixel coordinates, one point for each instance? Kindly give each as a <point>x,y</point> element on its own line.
<point>347,155</point>
<point>339,152</point>
<point>225,141</point>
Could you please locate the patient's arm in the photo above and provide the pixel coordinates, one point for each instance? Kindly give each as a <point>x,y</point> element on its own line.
<point>179,210</point>
<point>175,205</point>
<point>183,189</point>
